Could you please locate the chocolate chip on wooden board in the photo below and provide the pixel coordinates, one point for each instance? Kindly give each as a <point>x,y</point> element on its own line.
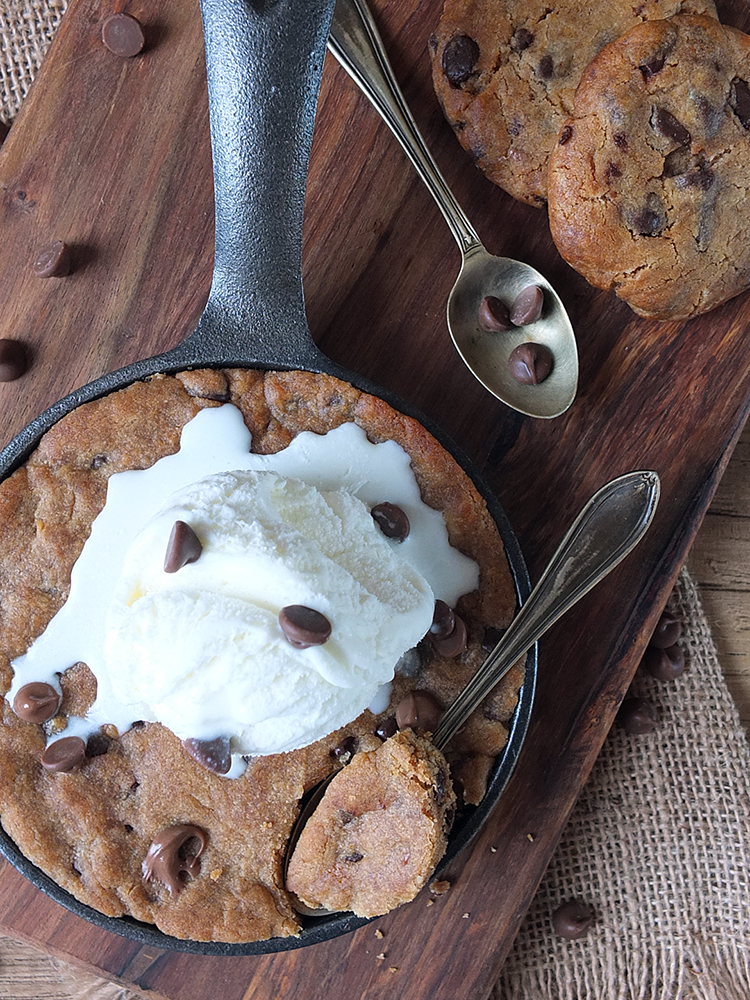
<point>53,261</point>
<point>123,35</point>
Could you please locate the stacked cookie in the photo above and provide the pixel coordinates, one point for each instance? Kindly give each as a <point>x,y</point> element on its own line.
<point>636,138</point>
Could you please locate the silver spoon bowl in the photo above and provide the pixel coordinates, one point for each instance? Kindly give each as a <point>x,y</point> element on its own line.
<point>356,43</point>
<point>606,530</point>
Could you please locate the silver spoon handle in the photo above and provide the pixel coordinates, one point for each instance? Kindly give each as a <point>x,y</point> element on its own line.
<point>605,531</point>
<point>357,45</point>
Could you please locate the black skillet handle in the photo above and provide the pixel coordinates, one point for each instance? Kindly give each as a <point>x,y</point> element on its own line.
<point>264,61</point>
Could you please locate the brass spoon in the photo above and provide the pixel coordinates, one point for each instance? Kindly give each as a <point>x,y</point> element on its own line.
<point>357,45</point>
<point>606,530</point>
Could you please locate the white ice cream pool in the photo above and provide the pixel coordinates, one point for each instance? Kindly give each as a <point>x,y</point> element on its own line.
<point>203,649</point>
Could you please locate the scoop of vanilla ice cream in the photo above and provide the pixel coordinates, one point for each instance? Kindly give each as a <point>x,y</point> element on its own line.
<point>201,650</point>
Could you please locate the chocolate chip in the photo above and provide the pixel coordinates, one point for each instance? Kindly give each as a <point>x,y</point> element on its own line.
<point>55,261</point>
<point>666,123</point>
<point>664,664</point>
<point>387,728</point>
<point>36,702</point>
<point>97,744</point>
<point>668,630</point>
<point>392,520</point>
<point>453,644</point>
<point>521,39</point>
<point>653,65</point>
<point>13,360</point>
<point>527,306</point>
<point>214,755</point>
<point>419,710</point>
<point>530,364</point>
<point>637,716</point>
<point>168,860</point>
<point>354,857</point>
<point>546,67</point>
<point>612,171</point>
<point>702,176</point>
<point>123,35</point>
<point>651,219</point>
<point>620,140</point>
<point>566,134</point>
<point>183,547</point>
<point>678,162</point>
<point>64,755</point>
<point>345,750</point>
<point>304,626</point>
<point>739,101</point>
<point>494,316</point>
<point>460,57</point>
<point>573,919</point>
<point>443,621</point>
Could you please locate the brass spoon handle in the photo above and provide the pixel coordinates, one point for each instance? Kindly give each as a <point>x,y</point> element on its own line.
<point>605,531</point>
<point>357,45</point>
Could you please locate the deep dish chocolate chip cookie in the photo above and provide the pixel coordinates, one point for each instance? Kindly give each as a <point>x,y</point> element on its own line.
<point>506,71</point>
<point>139,822</point>
<point>648,181</point>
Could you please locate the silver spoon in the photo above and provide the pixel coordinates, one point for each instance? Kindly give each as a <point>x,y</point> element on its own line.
<point>606,530</point>
<point>356,43</point>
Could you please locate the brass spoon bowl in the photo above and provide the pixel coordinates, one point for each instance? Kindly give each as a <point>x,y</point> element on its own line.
<point>357,45</point>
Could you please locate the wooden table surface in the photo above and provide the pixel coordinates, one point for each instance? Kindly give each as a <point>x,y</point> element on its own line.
<point>663,396</point>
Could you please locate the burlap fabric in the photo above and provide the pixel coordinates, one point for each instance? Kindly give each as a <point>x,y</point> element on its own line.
<point>26,29</point>
<point>659,842</point>
<point>659,846</point>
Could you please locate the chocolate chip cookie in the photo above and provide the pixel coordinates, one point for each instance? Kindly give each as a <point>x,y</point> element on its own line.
<point>382,826</point>
<point>506,71</point>
<point>648,180</point>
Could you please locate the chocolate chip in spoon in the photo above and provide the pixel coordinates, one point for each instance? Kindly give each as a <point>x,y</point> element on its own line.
<point>530,364</point>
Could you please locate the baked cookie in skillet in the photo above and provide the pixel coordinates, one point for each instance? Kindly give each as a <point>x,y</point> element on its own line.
<point>505,73</point>
<point>648,180</point>
<point>138,824</point>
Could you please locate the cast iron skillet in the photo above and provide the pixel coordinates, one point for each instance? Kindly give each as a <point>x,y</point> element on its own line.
<point>265,60</point>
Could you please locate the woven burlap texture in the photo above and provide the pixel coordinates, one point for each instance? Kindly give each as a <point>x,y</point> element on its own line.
<point>659,846</point>
<point>26,30</point>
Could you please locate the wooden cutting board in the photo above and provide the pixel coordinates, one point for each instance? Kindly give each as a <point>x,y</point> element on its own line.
<point>113,157</point>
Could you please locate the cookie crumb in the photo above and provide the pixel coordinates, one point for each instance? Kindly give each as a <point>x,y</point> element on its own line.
<point>466,916</point>
<point>381,956</point>
<point>494,850</point>
<point>530,837</point>
<point>439,886</point>
<point>379,933</point>
<point>393,968</point>
<point>430,902</point>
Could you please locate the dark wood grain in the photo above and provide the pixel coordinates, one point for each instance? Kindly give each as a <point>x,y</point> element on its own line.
<point>113,157</point>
